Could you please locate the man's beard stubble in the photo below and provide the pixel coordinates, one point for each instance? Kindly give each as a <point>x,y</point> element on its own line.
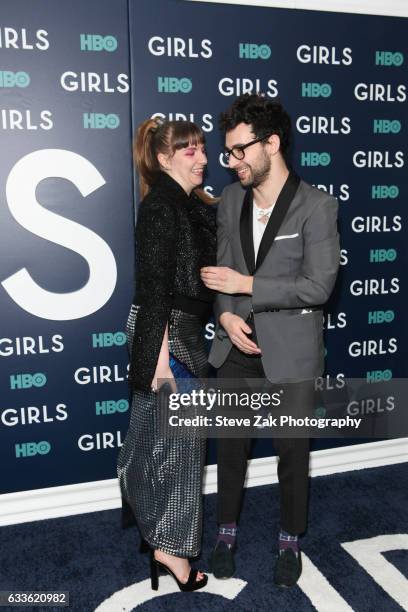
<point>258,175</point>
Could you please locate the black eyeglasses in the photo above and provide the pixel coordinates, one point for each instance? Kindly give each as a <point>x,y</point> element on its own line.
<point>239,150</point>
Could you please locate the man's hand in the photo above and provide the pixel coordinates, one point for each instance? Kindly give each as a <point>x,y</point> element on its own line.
<point>237,329</point>
<point>226,280</point>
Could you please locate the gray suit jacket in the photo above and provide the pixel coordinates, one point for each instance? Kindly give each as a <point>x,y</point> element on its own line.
<point>295,272</point>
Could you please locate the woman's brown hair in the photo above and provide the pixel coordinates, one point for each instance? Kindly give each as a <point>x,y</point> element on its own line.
<point>155,136</point>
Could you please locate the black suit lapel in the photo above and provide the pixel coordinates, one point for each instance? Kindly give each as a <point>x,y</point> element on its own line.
<point>246,232</point>
<point>278,214</point>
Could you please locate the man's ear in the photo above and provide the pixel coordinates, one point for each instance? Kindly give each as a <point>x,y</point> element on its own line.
<point>164,161</point>
<point>274,141</point>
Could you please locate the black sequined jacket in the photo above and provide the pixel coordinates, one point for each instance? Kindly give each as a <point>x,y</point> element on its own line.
<point>175,237</point>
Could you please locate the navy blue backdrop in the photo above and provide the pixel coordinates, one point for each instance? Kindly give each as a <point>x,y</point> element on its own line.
<point>74,84</point>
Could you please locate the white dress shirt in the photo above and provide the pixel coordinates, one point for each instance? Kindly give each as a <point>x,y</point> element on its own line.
<point>258,227</point>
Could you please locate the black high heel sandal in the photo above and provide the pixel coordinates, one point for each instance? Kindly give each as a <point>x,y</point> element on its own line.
<point>128,520</point>
<point>191,585</point>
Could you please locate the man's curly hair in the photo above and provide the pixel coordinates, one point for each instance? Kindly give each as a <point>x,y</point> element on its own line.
<point>264,115</point>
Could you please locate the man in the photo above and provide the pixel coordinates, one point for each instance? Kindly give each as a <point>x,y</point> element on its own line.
<point>277,261</point>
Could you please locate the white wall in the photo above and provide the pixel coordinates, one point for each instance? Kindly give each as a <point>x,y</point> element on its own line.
<point>396,8</point>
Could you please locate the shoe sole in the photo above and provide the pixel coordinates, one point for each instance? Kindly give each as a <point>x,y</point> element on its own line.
<point>287,586</point>
<point>224,577</point>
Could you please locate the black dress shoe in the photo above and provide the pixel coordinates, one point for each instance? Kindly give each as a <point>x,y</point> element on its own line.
<point>288,568</point>
<point>222,562</point>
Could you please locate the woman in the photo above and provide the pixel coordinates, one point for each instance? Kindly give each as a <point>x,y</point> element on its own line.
<point>161,475</point>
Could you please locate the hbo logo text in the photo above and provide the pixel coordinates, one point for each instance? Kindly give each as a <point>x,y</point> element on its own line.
<point>382,255</point>
<point>30,449</point>
<point>26,381</point>
<point>378,375</point>
<point>252,51</point>
<point>110,406</point>
<point>311,158</point>
<point>107,339</point>
<point>99,121</point>
<point>383,192</point>
<point>316,90</point>
<point>387,58</point>
<point>381,316</point>
<point>174,85</point>
<point>386,126</point>
<point>96,42</point>
<point>14,79</point>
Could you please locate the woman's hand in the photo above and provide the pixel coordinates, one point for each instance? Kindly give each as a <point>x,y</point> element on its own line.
<point>226,280</point>
<point>163,375</point>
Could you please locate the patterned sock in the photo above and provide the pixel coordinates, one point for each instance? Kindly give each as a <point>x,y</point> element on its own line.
<point>227,533</point>
<point>288,541</point>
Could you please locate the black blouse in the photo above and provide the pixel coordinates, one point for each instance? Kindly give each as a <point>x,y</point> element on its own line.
<point>175,237</point>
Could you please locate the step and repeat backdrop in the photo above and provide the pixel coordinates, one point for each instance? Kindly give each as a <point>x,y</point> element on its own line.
<point>72,92</point>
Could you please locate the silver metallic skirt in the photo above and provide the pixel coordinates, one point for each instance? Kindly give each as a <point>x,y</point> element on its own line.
<point>160,473</point>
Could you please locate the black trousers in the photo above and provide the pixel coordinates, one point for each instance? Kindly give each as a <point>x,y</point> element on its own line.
<point>233,453</point>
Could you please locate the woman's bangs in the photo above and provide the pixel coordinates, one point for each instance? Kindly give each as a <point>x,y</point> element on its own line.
<point>186,134</point>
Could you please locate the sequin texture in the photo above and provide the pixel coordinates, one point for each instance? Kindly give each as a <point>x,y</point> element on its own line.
<point>160,474</point>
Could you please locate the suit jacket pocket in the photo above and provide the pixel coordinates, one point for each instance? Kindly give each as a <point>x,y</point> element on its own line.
<point>292,346</point>
<point>300,334</point>
<point>287,236</point>
<point>286,248</point>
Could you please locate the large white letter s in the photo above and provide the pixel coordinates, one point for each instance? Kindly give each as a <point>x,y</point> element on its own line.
<point>20,191</point>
